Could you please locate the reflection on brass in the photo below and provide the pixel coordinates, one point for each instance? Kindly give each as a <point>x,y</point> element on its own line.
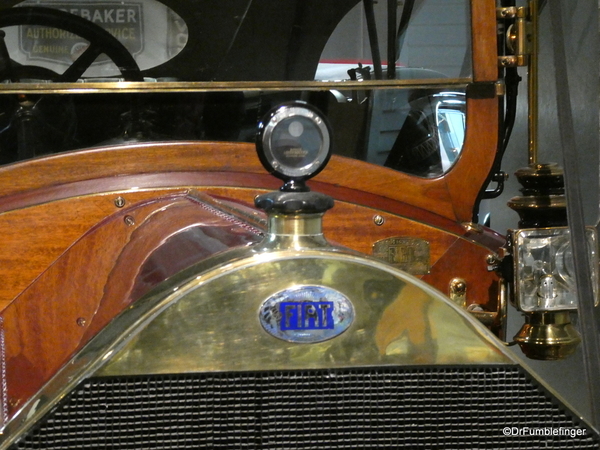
<point>206,319</point>
<point>205,86</point>
<point>531,202</point>
<point>544,186</point>
<point>216,326</point>
<point>500,88</point>
<point>293,231</point>
<point>472,227</point>
<point>518,36</point>
<point>540,170</point>
<point>508,12</point>
<point>513,61</point>
<point>502,319</point>
<point>494,320</point>
<point>458,291</point>
<point>548,336</point>
<point>485,317</point>
<point>408,254</point>
<point>296,224</point>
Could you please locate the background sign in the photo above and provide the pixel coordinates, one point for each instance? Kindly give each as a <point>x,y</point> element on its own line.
<point>124,20</point>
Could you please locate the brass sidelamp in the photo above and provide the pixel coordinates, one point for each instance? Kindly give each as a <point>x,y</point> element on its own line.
<point>541,260</point>
<point>544,286</point>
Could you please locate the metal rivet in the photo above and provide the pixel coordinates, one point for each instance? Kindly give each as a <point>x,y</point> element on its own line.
<point>129,221</point>
<point>119,202</point>
<point>378,220</point>
<point>81,322</point>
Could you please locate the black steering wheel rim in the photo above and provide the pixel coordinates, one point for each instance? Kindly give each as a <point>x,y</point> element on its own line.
<point>101,41</point>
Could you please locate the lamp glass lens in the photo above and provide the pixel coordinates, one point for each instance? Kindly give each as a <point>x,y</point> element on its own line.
<point>545,274</point>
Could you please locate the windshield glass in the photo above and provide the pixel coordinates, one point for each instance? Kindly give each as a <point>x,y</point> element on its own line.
<point>431,40</point>
<point>245,40</point>
<point>210,70</point>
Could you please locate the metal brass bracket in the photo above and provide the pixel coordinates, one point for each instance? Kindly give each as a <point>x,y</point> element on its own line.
<point>494,320</point>
<point>508,12</point>
<point>518,36</point>
<point>458,291</point>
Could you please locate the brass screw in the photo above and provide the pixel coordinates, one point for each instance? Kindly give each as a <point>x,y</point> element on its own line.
<point>81,322</point>
<point>129,221</point>
<point>378,220</point>
<point>491,259</point>
<point>119,202</point>
<point>458,286</point>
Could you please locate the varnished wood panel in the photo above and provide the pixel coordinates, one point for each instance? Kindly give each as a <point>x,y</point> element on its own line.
<point>34,237</point>
<point>107,169</point>
<point>46,322</point>
<point>352,226</point>
<point>88,285</point>
<point>483,38</point>
<point>465,180</point>
<point>464,260</point>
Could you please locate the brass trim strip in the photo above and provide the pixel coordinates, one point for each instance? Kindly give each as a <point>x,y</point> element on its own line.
<point>180,86</point>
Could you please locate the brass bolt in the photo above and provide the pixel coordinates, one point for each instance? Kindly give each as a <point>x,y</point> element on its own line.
<point>458,291</point>
<point>458,286</point>
<point>491,259</point>
<point>119,202</point>
<point>507,12</point>
<point>493,262</point>
<point>378,220</point>
<point>129,221</point>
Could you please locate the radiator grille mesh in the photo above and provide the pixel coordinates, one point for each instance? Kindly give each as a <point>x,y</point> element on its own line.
<point>371,408</point>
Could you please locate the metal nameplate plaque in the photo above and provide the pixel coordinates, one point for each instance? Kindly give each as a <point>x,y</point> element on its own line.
<point>306,314</point>
<point>408,254</point>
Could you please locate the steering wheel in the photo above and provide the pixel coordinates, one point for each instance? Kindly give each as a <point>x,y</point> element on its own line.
<point>101,41</point>
<point>30,124</point>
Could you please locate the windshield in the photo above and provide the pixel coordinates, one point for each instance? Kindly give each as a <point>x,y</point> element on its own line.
<point>245,40</point>
<point>210,70</point>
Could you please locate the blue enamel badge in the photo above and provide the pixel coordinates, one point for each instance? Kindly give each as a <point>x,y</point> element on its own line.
<point>306,314</point>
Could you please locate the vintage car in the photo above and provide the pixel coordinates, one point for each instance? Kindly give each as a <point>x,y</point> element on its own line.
<point>258,224</point>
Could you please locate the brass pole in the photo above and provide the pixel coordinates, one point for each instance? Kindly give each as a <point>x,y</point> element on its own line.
<point>532,80</point>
